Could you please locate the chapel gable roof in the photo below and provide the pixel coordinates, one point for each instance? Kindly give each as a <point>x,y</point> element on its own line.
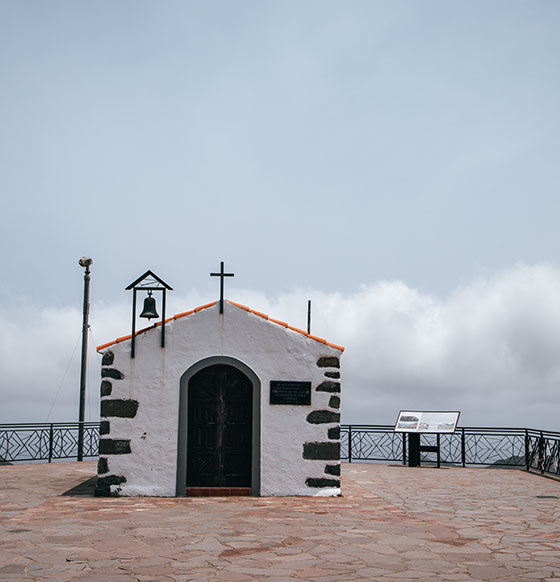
<point>238,305</point>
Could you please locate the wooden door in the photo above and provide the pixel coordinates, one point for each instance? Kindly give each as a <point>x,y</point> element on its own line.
<point>220,406</point>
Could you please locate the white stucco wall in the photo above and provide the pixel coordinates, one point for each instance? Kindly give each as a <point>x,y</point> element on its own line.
<point>153,379</point>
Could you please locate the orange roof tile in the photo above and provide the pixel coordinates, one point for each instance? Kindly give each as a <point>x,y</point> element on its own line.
<point>183,314</point>
<point>244,307</point>
<point>197,309</point>
<point>178,316</point>
<point>103,346</point>
<point>283,324</point>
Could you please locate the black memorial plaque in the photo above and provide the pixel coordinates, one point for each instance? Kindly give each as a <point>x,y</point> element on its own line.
<point>290,392</point>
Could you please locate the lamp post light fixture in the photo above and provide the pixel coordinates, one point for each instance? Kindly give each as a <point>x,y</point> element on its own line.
<point>86,263</point>
<point>149,282</point>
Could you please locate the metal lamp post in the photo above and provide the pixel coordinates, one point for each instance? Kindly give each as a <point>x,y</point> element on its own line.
<point>84,262</point>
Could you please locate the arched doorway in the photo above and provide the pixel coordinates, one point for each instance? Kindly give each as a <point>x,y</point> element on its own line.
<point>219,428</point>
<point>189,436</point>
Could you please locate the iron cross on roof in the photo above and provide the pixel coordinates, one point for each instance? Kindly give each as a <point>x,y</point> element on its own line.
<point>221,274</point>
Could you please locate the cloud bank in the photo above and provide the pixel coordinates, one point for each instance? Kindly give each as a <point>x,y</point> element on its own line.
<point>490,349</point>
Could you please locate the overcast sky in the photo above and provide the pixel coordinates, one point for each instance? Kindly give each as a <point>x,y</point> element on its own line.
<point>397,162</point>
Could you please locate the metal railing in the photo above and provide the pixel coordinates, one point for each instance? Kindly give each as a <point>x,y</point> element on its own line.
<point>532,449</point>
<point>46,442</point>
<point>537,450</point>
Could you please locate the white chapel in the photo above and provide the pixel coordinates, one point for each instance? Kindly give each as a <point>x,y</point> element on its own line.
<point>236,403</point>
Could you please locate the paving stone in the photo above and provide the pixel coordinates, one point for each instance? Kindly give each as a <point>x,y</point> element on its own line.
<point>12,569</point>
<point>393,523</point>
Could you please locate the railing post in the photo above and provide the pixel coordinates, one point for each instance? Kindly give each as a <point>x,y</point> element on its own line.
<point>349,443</point>
<point>526,450</point>
<point>8,445</point>
<point>404,448</point>
<point>51,439</point>
<point>463,451</point>
<point>541,453</point>
<point>80,453</point>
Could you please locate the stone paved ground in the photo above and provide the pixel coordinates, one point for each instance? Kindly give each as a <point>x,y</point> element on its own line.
<point>393,524</point>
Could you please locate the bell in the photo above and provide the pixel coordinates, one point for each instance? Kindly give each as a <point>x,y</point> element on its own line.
<point>149,311</point>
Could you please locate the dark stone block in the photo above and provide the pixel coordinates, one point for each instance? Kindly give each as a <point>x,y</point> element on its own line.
<point>108,358</point>
<point>322,482</point>
<point>110,480</point>
<point>334,402</point>
<point>114,446</point>
<point>321,451</point>
<point>334,433</point>
<point>102,466</point>
<point>328,362</point>
<point>111,373</point>
<point>104,427</point>
<point>332,470</point>
<point>332,375</point>
<point>328,386</point>
<point>120,408</point>
<point>315,417</point>
<point>106,388</point>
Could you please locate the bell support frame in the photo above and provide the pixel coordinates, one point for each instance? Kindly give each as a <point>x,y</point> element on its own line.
<point>149,281</point>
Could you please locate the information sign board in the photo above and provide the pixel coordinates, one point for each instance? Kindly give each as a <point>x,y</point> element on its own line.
<point>427,421</point>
